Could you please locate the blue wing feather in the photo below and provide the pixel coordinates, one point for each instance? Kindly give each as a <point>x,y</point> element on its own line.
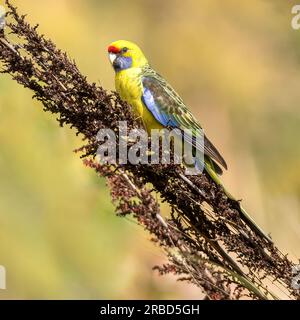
<point>170,111</point>
<point>159,114</point>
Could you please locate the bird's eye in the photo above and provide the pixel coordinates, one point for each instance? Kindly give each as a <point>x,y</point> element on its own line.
<point>124,50</point>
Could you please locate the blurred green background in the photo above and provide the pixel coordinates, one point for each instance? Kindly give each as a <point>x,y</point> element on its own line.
<point>235,63</point>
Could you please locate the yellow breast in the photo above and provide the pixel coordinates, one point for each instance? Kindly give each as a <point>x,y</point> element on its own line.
<point>129,86</point>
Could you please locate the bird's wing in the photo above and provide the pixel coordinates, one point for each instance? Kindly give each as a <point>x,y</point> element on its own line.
<point>168,109</point>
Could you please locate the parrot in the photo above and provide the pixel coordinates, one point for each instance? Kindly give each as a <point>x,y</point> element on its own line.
<point>155,101</point>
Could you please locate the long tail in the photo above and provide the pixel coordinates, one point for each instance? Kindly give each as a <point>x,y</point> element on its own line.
<point>244,215</point>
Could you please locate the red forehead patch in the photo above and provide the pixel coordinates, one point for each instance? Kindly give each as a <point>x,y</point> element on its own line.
<point>113,49</point>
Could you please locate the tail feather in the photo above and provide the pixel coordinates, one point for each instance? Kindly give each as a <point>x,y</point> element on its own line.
<point>244,215</point>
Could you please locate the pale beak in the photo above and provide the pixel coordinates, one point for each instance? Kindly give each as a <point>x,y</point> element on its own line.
<point>112,57</point>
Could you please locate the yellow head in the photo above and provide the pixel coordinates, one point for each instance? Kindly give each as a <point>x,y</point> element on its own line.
<point>125,54</point>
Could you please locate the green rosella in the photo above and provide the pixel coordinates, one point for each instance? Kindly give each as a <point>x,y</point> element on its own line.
<point>159,106</point>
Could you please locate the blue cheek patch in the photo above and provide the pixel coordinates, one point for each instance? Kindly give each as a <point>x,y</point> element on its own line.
<point>122,63</point>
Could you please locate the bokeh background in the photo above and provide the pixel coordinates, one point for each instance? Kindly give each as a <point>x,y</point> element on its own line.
<point>235,63</point>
